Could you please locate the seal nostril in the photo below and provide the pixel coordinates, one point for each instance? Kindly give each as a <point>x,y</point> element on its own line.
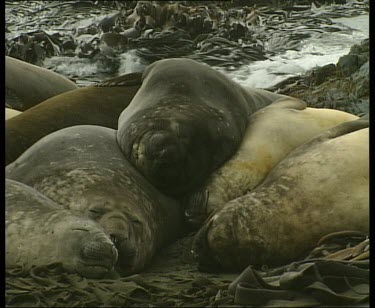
<point>113,238</point>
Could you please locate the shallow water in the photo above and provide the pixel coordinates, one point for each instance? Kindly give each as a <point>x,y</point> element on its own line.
<point>319,50</point>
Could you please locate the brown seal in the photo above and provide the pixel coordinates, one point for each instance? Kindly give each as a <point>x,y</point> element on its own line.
<point>97,105</point>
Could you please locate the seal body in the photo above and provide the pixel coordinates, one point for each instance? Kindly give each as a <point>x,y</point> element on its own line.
<point>83,169</point>
<point>28,85</point>
<point>10,113</point>
<point>100,105</point>
<point>319,188</point>
<point>185,121</point>
<point>40,232</point>
<point>272,133</point>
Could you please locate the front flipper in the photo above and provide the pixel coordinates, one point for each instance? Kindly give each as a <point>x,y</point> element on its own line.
<point>195,208</point>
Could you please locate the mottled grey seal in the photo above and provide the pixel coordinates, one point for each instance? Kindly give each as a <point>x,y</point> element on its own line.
<point>185,121</point>
<point>319,188</point>
<point>40,232</point>
<point>100,105</point>
<point>83,168</point>
<point>28,85</point>
<point>273,132</point>
<point>10,113</point>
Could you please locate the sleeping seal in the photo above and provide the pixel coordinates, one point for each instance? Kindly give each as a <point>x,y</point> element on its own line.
<point>27,85</point>
<point>319,188</point>
<point>185,121</point>
<point>40,232</point>
<point>272,133</point>
<point>83,169</point>
<point>100,104</point>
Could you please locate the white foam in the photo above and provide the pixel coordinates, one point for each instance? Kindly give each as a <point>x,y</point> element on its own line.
<point>319,50</point>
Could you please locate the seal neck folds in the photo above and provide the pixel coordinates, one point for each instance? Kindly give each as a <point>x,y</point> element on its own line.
<point>162,145</point>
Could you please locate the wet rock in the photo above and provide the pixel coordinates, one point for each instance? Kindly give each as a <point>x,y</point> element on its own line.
<point>321,74</point>
<point>114,40</point>
<point>349,64</point>
<point>344,86</point>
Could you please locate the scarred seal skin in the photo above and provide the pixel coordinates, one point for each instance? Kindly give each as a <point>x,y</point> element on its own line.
<point>28,85</point>
<point>40,232</point>
<point>83,168</point>
<point>100,104</point>
<point>273,132</point>
<point>319,188</point>
<point>185,121</point>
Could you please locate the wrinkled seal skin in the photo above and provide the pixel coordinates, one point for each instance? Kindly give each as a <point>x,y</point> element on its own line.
<point>319,188</point>
<point>28,85</point>
<point>273,132</point>
<point>83,168</point>
<point>40,232</point>
<point>10,113</point>
<point>100,105</point>
<point>185,121</point>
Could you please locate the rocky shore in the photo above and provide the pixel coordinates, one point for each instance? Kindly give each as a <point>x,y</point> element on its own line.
<point>343,86</point>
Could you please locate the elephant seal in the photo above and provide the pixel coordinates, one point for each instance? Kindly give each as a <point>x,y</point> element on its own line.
<point>10,113</point>
<point>319,188</point>
<point>99,104</point>
<point>184,122</point>
<point>83,169</point>
<point>40,232</point>
<point>272,133</point>
<point>27,85</point>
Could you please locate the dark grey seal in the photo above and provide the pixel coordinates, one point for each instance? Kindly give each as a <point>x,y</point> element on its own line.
<point>184,122</point>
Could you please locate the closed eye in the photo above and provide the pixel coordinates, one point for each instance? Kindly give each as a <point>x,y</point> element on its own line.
<point>80,229</point>
<point>95,213</point>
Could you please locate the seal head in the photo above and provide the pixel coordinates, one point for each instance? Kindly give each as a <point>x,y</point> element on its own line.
<point>40,232</point>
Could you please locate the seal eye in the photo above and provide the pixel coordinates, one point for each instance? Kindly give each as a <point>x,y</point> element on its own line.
<point>95,213</point>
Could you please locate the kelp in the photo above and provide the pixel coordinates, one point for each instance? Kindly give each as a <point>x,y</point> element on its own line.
<point>320,279</point>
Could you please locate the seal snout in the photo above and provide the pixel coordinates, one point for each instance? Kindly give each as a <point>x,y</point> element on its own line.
<point>100,254</point>
<point>164,147</point>
<point>201,251</point>
<point>105,253</point>
<point>161,156</point>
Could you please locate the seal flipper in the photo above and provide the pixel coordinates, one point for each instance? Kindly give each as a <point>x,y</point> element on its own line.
<point>195,208</point>
<point>334,132</point>
<point>132,79</point>
<point>344,128</point>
